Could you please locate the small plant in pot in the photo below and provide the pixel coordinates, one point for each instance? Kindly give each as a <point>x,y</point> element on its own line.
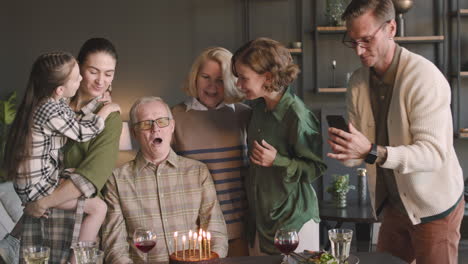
<point>339,188</point>
<point>7,115</point>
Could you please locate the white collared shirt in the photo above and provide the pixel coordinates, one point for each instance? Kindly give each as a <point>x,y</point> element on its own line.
<point>192,103</point>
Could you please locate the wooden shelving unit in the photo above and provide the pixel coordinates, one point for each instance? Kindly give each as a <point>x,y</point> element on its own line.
<point>332,90</point>
<point>295,51</point>
<point>331,30</point>
<point>457,72</point>
<point>420,39</point>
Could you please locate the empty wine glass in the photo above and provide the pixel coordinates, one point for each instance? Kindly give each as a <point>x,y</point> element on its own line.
<point>286,241</point>
<point>144,240</point>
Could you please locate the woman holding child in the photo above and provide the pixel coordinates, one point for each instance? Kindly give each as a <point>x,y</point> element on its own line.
<point>92,161</point>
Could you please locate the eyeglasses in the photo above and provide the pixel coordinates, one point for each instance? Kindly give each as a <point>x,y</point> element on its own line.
<point>148,124</point>
<point>364,42</point>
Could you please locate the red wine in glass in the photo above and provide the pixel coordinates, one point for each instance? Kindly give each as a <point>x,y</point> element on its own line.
<point>145,246</point>
<point>144,240</point>
<point>286,241</point>
<point>286,247</point>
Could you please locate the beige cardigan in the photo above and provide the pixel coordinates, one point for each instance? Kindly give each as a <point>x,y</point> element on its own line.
<point>420,131</point>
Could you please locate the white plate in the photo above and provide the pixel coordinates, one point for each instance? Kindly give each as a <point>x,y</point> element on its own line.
<point>351,260</point>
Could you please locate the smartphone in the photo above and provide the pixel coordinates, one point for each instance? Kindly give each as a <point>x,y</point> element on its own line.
<point>337,121</point>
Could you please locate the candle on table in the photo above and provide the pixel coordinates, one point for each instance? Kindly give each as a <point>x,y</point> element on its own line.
<point>204,244</point>
<point>208,236</point>
<point>195,238</point>
<point>175,243</point>
<point>200,243</point>
<point>189,241</point>
<point>183,247</point>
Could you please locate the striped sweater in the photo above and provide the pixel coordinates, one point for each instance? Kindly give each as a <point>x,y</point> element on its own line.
<point>218,139</point>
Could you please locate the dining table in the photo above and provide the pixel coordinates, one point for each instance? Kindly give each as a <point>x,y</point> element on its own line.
<point>364,258</point>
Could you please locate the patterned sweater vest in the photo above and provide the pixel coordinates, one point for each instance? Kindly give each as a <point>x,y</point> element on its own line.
<point>218,139</point>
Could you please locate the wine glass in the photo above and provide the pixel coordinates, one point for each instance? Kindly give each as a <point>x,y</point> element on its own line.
<point>286,241</point>
<point>144,240</point>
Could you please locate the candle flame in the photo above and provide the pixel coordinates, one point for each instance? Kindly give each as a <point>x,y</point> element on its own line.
<point>208,235</point>
<point>175,234</point>
<point>183,238</point>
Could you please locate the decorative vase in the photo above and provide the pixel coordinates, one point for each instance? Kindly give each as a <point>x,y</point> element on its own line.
<point>335,9</point>
<point>401,7</point>
<point>340,199</point>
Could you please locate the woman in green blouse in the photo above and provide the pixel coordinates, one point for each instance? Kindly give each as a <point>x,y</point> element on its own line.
<point>284,148</point>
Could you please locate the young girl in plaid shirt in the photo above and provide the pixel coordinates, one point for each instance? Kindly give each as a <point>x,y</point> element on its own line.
<point>41,128</point>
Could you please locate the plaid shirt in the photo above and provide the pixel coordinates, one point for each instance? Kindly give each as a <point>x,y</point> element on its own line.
<point>53,122</point>
<point>62,227</point>
<point>178,195</point>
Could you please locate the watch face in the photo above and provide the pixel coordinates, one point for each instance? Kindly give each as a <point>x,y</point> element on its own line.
<point>372,156</point>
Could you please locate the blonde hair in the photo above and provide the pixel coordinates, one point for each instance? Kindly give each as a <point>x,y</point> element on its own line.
<point>223,57</point>
<point>264,55</point>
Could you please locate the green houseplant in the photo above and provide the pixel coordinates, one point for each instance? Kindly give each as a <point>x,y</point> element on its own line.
<point>7,115</point>
<point>339,188</point>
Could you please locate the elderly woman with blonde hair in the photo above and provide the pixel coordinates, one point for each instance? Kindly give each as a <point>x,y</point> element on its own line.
<point>211,127</point>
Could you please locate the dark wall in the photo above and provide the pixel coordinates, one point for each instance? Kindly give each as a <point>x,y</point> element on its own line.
<point>158,40</point>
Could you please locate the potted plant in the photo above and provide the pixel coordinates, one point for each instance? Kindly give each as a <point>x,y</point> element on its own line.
<point>7,115</point>
<point>339,188</point>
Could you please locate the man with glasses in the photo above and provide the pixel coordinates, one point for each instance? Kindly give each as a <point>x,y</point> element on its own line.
<point>159,190</point>
<point>401,125</point>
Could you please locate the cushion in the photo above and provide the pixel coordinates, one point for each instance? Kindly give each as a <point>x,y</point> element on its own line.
<point>10,201</point>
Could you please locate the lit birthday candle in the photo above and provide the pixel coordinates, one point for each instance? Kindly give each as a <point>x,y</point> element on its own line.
<point>208,236</point>
<point>195,236</point>
<point>204,245</point>
<point>189,239</point>
<point>175,242</point>
<point>200,245</point>
<point>183,247</point>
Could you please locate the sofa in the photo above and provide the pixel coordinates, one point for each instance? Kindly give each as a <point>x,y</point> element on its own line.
<point>10,208</point>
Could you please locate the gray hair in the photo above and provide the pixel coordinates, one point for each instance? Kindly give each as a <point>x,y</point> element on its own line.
<point>144,100</point>
<point>383,10</point>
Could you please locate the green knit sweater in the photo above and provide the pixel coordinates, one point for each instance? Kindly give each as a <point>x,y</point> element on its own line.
<point>95,159</point>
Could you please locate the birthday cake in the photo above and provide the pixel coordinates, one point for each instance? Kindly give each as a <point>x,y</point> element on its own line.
<point>191,257</point>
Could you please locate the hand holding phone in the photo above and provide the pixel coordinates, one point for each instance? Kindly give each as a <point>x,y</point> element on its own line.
<point>337,121</point>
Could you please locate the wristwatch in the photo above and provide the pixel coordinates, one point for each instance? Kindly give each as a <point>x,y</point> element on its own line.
<point>372,155</point>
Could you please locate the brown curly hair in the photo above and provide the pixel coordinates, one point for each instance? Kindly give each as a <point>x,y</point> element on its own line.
<point>264,55</point>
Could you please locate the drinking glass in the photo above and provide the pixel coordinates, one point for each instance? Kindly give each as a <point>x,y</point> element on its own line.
<point>85,251</point>
<point>340,243</point>
<point>286,241</point>
<point>36,255</point>
<point>144,240</point>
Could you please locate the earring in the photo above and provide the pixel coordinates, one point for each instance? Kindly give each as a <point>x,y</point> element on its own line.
<point>390,38</point>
